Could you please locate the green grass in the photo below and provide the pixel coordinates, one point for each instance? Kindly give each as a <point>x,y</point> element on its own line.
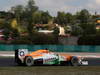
<point>50,70</point>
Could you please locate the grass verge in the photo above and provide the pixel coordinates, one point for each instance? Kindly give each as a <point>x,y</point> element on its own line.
<point>50,70</point>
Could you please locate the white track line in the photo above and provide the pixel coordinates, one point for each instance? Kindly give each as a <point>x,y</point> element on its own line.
<point>7,55</point>
<point>89,56</point>
<point>85,56</point>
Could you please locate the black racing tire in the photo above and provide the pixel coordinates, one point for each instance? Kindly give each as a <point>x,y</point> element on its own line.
<point>74,61</point>
<point>29,61</point>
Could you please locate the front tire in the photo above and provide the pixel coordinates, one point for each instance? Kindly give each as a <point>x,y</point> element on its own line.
<point>29,61</point>
<point>75,61</point>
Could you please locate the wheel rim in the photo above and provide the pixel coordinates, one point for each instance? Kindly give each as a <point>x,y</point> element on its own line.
<point>75,62</point>
<point>29,61</point>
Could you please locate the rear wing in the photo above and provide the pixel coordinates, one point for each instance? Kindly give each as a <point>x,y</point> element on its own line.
<point>20,55</point>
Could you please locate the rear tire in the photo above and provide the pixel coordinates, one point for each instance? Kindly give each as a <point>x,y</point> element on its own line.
<point>29,61</point>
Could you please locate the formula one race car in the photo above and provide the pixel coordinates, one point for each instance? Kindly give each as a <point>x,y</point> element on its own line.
<point>44,57</point>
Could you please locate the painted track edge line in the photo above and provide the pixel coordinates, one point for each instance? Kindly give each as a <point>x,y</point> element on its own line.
<point>86,56</point>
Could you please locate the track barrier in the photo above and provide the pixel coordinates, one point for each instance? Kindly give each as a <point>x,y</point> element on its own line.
<point>55,48</point>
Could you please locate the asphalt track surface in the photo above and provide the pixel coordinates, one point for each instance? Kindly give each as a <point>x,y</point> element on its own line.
<point>10,62</point>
